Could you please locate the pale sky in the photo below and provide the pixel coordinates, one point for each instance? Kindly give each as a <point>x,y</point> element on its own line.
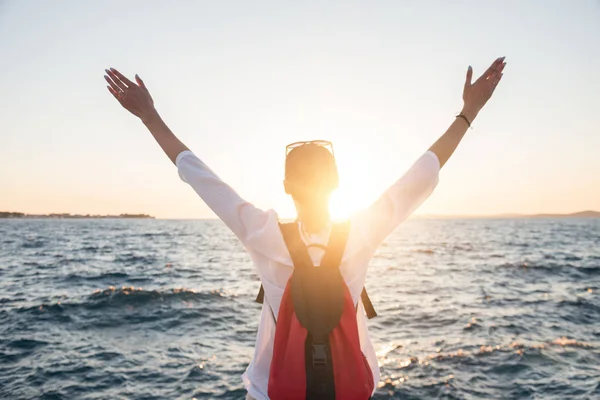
<point>238,80</point>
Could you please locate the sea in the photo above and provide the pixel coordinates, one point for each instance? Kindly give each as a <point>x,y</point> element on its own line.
<point>163,309</point>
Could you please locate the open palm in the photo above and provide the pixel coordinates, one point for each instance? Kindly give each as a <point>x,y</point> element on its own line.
<point>135,98</point>
<point>476,94</point>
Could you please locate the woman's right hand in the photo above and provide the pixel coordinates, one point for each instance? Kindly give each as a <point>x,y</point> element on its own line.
<point>135,98</point>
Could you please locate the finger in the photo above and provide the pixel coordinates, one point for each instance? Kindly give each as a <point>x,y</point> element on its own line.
<point>112,91</point>
<point>496,82</point>
<point>115,79</point>
<point>498,79</point>
<point>490,78</point>
<point>492,67</point>
<point>122,77</point>
<point>499,68</point>
<point>140,82</point>
<point>118,81</point>
<point>497,72</point>
<point>113,85</point>
<point>469,77</point>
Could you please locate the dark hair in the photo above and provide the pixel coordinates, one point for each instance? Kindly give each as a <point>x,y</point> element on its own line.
<point>311,165</point>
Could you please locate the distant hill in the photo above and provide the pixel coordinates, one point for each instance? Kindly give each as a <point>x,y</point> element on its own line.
<point>581,214</point>
<point>7,214</point>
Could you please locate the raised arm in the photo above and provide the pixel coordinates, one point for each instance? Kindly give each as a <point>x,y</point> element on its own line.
<point>415,186</point>
<point>475,95</point>
<point>246,221</point>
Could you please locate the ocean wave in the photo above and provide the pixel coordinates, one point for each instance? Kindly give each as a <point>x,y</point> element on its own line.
<point>463,247</point>
<point>25,344</point>
<point>95,249</point>
<point>33,244</point>
<point>61,262</point>
<point>128,296</point>
<point>441,376</point>
<point>551,267</point>
<point>408,362</point>
<point>107,275</point>
<point>572,258</point>
<point>587,312</point>
<point>30,264</point>
<point>155,234</point>
<point>131,259</point>
<point>424,251</point>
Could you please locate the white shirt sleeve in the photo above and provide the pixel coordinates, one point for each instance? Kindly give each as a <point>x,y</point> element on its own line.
<point>246,221</point>
<point>398,202</point>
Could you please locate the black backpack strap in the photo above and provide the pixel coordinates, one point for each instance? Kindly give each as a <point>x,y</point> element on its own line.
<point>333,259</point>
<point>296,246</point>
<point>369,309</point>
<point>336,245</point>
<point>298,253</point>
<point>260,297</point>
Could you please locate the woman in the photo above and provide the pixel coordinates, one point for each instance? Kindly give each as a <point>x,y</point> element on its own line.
<point>310,178</point>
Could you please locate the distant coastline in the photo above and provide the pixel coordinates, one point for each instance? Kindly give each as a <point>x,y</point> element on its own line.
<point>581,214</point>
<point>6,214</point>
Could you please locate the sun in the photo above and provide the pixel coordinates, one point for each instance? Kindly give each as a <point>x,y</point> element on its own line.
<point>356,191</point>
<point>342,206</point>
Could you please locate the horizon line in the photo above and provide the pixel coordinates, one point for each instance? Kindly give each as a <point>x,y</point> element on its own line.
<point>507,215</point>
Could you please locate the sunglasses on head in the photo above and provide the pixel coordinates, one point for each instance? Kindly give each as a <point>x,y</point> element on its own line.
<point>322,143</point>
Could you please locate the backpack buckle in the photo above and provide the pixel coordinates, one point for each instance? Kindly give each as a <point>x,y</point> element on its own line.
<point>319,358</point>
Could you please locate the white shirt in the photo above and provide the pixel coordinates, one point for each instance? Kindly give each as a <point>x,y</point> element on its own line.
<point>259,232</point>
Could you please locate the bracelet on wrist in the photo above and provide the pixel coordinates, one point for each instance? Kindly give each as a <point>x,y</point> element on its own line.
<point>463,116</point>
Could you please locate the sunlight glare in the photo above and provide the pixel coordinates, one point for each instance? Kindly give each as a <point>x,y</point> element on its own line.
<point>356,190</point>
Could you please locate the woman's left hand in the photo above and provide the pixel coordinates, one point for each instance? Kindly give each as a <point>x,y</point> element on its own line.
<point>476,94</point>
